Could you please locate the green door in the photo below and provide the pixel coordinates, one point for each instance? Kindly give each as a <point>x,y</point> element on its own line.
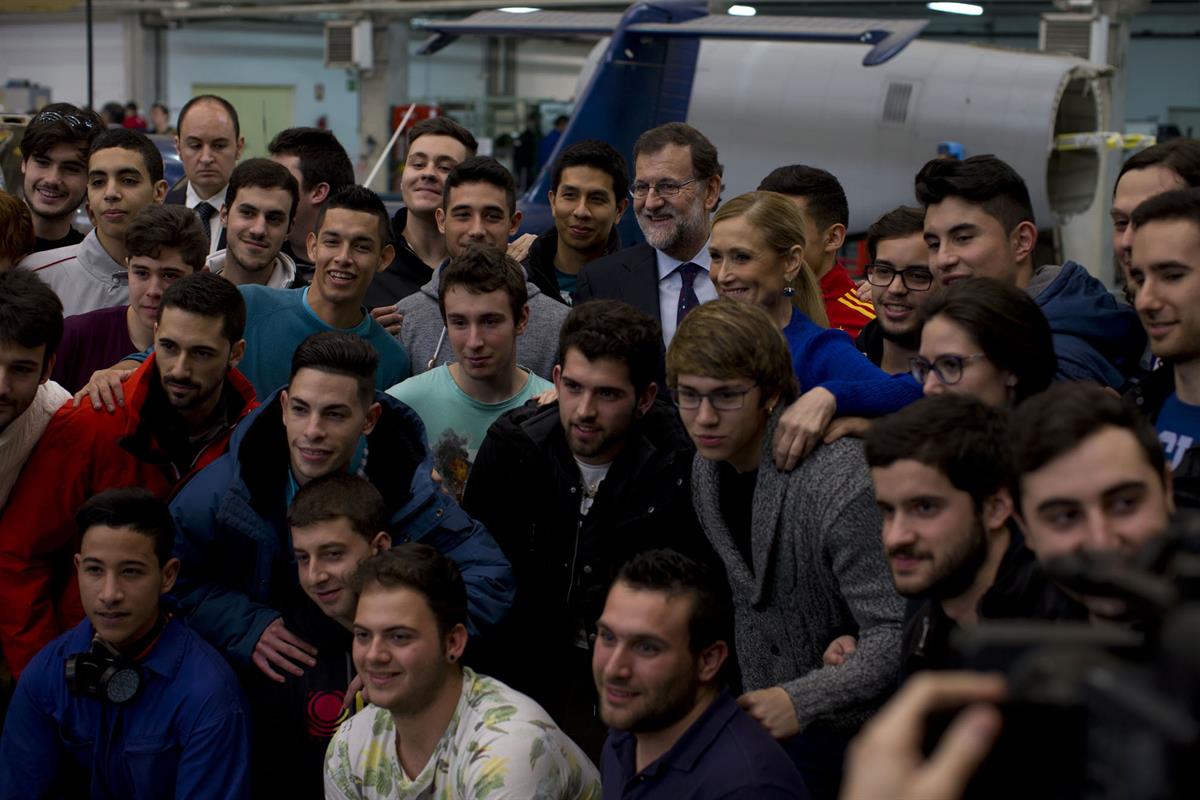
<point>263,111</point>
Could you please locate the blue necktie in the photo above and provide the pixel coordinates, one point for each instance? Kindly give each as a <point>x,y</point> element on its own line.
<point>205,211</point>
<point>687,290</point>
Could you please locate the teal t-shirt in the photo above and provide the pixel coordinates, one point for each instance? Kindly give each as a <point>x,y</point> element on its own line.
<point>278,320</point>
<point>455,422</point>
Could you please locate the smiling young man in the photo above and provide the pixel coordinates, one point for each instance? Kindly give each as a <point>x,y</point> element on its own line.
<point>942,472</point>
<point>979,223</point>
<point>589,192</point>
<point>124,175</point>
<point>54,151</point>
<point>572,490</point>
<point>164,244</point>
<point>485,310</point>
<point>435,728</point>
<point>328,418</point>
<point>260,204</point>
<point>479,207</point>
<point>676,731</point>
<point>130,702</point>
<point>901,285</point>
<point>1165,276</point>
<point>209,143</point>
<point>435,147</point>
<point>181,406</point>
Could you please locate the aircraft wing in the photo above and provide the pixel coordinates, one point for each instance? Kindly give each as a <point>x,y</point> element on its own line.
<point>886,37</point>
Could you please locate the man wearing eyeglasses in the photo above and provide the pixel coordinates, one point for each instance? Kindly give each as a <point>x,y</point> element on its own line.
<point>54,151</point>
<point>901,284</point>
<point>677,184</point>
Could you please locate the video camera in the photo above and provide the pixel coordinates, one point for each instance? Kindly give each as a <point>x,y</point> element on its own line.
<point>1103,710</point>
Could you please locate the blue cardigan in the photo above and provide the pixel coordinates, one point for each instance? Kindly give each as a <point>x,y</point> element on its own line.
<point>828,358</point>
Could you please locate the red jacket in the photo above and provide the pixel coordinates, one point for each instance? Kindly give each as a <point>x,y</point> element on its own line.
<point>82,453</point>
<point>846,312</point>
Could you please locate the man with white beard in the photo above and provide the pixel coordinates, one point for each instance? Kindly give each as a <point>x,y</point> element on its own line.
<point>677,184</point>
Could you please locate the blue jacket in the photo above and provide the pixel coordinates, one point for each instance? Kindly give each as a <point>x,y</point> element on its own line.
<point>185,735</point>
<point>232,539</point>
<point>1096,336</point>
<point>828,358</point>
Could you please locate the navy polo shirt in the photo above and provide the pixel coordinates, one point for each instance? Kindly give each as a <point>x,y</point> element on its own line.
<point>724,754</point>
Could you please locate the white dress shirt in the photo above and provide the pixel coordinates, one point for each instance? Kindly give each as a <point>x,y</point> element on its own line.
<point>214,223</point>
<point>670,282</point>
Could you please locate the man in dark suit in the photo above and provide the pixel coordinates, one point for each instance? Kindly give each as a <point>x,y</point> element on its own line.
<point>209,142</point>
<point>677,184</point>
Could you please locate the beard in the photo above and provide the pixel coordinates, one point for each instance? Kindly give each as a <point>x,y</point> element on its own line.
<point>908,340</point>
<point>664,706</point>
<point>689,225</point>
<point>957,569</point>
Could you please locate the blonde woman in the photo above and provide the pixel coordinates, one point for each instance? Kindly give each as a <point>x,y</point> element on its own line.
<point>757,250</point>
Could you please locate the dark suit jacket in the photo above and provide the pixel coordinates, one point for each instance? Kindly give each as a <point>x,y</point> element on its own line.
<point>178,197</point>
<point>631,276</point>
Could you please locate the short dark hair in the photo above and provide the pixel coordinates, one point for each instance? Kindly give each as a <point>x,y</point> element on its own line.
<point>341,354</point>
<point>340,495</point>
<point>60,123</point>
<point>823,194</point>
<point>422,569</point>
<point>208,295</point>
<point>673,573</point>
<point>957,435</point>
<point>598,155</point>
<point>17,237</point>
<point>444,126</point>
<point>322,157</point>
<point>481,270</point>
<point>363,200</point>
<point>612,329</point>
<point>704,153</point>
<point>162,106</point>
<point>1008,326</point>
<point>138,142</point>
<point>30,313</point>
<point>162,227</point>
<point>482,169</point>
<point>983,180</point>
<point>1181,156</point>
<point>134,508</point>
<point>1051,424</point>
<point>262,173</point>
<point>895,224</point>
<point>1180,204</point>
<point>210,98</point>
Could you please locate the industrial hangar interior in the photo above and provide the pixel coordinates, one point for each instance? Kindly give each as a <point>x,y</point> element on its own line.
<point>459,400</point>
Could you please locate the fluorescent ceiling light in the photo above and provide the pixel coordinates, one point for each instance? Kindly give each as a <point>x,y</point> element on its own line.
<point>743,11</point>
<point>519,9</point>
<point>970,9</point>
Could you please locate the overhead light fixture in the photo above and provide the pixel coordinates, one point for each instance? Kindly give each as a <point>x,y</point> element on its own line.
<point>519,9</point>
<point>970,9</point>
<point>743,11</point>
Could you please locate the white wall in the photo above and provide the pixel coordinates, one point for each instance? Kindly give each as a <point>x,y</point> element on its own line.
<point>210,55</point>
<point>549,69</point>
<point>54,54</point>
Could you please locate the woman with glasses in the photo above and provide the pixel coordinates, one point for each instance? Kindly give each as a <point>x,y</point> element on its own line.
<point>800,549</point>
<point>757,252</point>
<point>987,339</point>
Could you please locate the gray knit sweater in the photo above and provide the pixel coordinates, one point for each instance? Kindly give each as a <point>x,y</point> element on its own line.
<point>423,333</point>
<point>819,571</point>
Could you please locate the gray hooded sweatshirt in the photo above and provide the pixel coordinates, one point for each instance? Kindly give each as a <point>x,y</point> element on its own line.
<point>423,333</point>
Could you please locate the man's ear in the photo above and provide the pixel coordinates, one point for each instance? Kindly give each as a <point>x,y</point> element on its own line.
<point>237,352</point>
<point>373,414</point>
<point>711,659</point>
<point>622,204</point>
<point>48,369</point>
<point>835,237</point>
<point>318,194</point>
<point>170,572</point>
<point>224,215</point>
<point>556,374</point>
<point>1024,239</point>
<point>386,257</point>
<point>712,193</point>
<point>381,542</point>
<point>646,400</point>
<point>160,191</point>
<point>241,145</point>
<point>456,642</point>
<point>439,216</point>
<point>516,222</point>
<point>997,509</point>
<point>523,320</point>
<point>310,243</point>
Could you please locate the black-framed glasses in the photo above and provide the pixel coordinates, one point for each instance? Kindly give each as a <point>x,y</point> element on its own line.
<point>75,123</point>
<point>915,279</point>
<point>640,189</point>
<point>948,368</point>
<point>721,399</point>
